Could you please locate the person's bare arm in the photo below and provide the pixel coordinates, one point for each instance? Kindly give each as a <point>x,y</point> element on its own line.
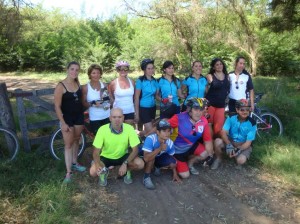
<point>85,103</point>
<point>137,94</point>
<point>252,99</point>
<point>58,93</point>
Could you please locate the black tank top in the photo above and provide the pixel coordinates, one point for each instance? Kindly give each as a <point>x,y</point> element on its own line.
<point>218,92</point>
<point>71,102</point>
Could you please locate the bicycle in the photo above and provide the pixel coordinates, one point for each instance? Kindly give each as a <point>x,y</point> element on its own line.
<point>9,145</point>
<point>57,146</point>
<point>268,124</point>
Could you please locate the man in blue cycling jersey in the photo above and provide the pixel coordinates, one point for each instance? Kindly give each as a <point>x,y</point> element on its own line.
<point>236,136</point>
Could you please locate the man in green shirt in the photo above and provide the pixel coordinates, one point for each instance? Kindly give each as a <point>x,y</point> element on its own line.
<point>111,149</point>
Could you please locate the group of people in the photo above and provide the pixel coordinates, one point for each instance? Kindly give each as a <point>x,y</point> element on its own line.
<point>195,131</point>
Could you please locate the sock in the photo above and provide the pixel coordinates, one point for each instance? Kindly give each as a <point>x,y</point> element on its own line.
<point>146,175</point>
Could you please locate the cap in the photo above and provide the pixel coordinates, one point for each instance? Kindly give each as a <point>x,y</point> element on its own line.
<point>163,125</point>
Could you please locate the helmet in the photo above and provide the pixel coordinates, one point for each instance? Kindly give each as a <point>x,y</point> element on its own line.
<point>122,63</point>
<point>163,125</point>
<point>242,103</point>
<point>198,103</point>
<point>145,62</point>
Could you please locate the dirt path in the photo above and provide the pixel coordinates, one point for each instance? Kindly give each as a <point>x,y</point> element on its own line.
<point>227,195</point>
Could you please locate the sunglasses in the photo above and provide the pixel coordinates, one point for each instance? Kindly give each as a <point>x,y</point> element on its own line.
<point>123,69</point>
<point>237,85</point>
<point>194,130</point>
<point>75,96</point>
<point>244,109</point>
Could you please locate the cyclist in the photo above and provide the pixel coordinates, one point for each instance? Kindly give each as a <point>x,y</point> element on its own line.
<point>240,84</point>
<point>195,84</point>
<point>146,88</point>
<point>69,110</point>
<point>217,93</point>
<point>236,136</point>
<point>169,91</point>
<point>158,151</point>
<point>96,98</point>
<point>192,138</point>
<point>122,91</point>
<point>111,149</point>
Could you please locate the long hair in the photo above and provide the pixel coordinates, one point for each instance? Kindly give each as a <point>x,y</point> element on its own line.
<point>166,65</point>
<point>212,65</point>
<point>73,63</point>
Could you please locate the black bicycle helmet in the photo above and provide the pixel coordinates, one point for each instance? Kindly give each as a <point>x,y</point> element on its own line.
<point>198,103</point>
<point>242,103</point>
<point>145,62</point>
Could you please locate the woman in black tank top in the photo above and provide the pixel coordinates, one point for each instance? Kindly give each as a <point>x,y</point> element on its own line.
<point>217,93</point>
<point>69,111</point>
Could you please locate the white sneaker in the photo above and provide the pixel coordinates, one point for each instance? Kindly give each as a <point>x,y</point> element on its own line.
<point>193,170</point>
<point>215,164</point>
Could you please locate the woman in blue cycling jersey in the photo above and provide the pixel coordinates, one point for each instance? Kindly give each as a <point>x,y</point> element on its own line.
<point>169,91</point>
<point>146,88</point>
<point>195,84</point>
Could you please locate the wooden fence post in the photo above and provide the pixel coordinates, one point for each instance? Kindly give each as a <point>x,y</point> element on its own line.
<point>6,112</point>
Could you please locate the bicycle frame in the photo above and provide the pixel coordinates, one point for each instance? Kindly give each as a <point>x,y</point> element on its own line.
<point>260,120</point>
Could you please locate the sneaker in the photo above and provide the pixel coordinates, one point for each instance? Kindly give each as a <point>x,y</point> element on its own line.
<point>78,167</point>
<point>148,183</point>
<point>67,178</point>
<point>215,164</point>
<point>127,178</point>
<point>193,170</point>
<point>103,178</point>
<point>157,172</point>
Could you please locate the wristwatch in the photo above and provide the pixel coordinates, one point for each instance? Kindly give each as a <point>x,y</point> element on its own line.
<point>126,162</point>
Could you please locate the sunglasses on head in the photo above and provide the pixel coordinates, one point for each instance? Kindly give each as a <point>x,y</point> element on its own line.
<point>244,109</point>
<point>123,69</point>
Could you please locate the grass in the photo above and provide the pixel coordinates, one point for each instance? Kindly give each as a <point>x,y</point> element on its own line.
<point>31,189</point>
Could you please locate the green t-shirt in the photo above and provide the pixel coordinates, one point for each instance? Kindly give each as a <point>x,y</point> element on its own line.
<point>114,146</point>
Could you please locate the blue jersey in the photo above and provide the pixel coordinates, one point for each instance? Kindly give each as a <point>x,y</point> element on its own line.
<point>151,143</point>
<point>169,88</point>
<point>148,90</point>
<point>240,131</point>
<point>195,88</point>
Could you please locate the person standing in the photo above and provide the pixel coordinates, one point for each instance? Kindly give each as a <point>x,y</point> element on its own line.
<point>69,110</point>
<point>217,94</point>
<point>96,98</point>
<point>240,84</point>
<point>122,92</point>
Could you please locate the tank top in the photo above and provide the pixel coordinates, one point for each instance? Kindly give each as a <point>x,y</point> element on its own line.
<point>218,92</point>
<point>124,98</point>
<point>71,102</point>
<point>96,113</point>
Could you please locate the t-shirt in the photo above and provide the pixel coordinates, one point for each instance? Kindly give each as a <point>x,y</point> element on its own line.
<point>195,88</point>
<point>185,133</point>
<point>151,143</point>
<point>239,88</point>
<point>240,131</point>
<point>113,145</point>
<point>169,88</point>
<point>148,90</point>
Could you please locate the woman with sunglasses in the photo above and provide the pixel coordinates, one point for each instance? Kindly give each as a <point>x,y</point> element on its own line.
<point>240,84</point>
<point>122,90</point>
<point>195,84</point>
<point>96,98</point>
<point>217,94</point>
<point>169,91</point>
<point>146,88</point>
<point>69,110</point>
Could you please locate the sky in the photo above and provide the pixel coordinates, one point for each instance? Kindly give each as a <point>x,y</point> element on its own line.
<point>92,8</point>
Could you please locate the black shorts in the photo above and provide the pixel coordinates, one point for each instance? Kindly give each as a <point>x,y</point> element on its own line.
<point>114,162</point>
<point>95,125</point>
<point>184,157</point>
<point>71,120</point>
<point>129,116</point>
<point>147,114</point>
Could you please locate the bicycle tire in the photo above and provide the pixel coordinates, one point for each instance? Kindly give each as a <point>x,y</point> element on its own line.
<point>276,128</point>
<point>57,146</point>
<point>9,145</point>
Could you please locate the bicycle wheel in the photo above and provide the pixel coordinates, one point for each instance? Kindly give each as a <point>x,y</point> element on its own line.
<point>57,146</point>
<point>9,145</point>
<point>269,125</point>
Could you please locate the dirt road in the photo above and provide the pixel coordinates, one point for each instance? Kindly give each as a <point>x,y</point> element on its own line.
<point>227,195</point>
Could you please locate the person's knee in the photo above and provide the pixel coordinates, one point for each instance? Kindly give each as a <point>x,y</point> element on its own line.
<point>138,163</point>
<point>184,175</point>
<point>93,171</point>
<point>241,159</point>
<point>218,144</point>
